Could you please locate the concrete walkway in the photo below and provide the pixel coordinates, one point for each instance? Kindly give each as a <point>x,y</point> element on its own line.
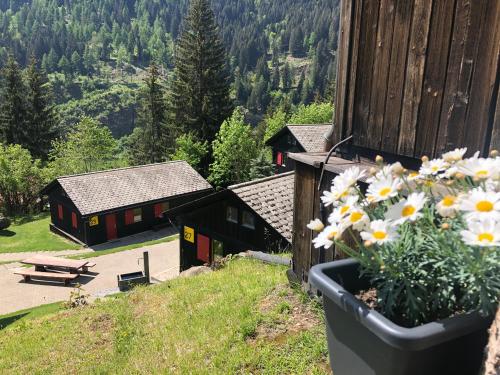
<point>16,295</point>
<point>125,241</point>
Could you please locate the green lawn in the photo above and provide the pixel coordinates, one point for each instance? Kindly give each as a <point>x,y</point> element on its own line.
<point>241,319</point>
<point>20,318</point>
<point>99,253</point>
<point>32,234</point>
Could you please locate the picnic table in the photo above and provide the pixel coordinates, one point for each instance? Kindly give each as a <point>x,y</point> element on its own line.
<point>42,263</point>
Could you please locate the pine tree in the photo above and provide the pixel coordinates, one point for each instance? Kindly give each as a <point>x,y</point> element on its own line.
<point>41,119</point>
<point>12,105</point>
<point>287,77</point>
<point>149,144</point>
<point>296,46</point>
<point>275,78</point>
<point>200,91</point>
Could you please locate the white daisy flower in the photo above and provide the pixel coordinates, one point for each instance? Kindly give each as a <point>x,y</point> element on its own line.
<point>350,176</point>
<point>329,197</point>
<point>480,204</point>
<point>482,233</point>
<point>379,232</point>
<point>455,155</point>
<point>412,176</point>
<point>385,172</point>
<point>480,168</point>
<point>381,190</point>
<point>357,218</point>
<point>433,167</point>
<point>316,225</point>
<point>326,238</point>
<point>448,206</point>
<point>407,209</point>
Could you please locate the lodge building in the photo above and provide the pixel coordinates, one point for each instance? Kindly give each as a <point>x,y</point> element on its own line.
<point>97,207</point>
<point>293,139</point>
<point>255,215</point>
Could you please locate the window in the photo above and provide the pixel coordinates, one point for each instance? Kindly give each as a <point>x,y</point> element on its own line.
<point>279,158</point>
<point>232,214</point>
<point>60,214</point>
<point>137,215</point>
<point>160,208</point>
<point>248,220</point>
<point>74,221</point>
<point>218,249</point>
<point>284,159</point>
<point>133,216</point>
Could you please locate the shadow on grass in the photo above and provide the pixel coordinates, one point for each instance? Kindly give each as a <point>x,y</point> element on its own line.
<point>20,220</point>
<point>7,233</point>
<point>5,322</point>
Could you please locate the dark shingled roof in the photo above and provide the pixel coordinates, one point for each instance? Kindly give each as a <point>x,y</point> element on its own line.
<point>108,190</point>
<point>311,137</point>
<point>272,199</point>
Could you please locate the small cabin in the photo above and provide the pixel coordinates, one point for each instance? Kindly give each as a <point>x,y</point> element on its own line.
<point>97,207</point>
<point>255,215</point>
<point>295,138</point>
<point>414,78</point>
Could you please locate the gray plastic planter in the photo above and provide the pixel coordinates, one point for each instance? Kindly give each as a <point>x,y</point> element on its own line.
<point>361,341</point>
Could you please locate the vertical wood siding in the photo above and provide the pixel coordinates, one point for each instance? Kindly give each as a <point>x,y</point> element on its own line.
<point>419,77</point>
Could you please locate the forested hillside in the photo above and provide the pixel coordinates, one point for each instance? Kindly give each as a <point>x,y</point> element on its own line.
<point>96,50</point>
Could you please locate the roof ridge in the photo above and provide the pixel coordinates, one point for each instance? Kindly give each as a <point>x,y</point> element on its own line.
<point>259,180</point>
<point>121,169</point>
<point>324,124</point>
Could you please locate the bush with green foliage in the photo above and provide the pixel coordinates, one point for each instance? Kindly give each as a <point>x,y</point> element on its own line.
<point>233,149</point>
<point>89,147</point>
<point>315,113</point>
<point>188,148</point>
<point>4,222</point>
<point>21,179</point>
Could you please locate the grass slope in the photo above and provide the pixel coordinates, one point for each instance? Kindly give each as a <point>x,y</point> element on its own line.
<point>32,234</point>
<point>242,319</point>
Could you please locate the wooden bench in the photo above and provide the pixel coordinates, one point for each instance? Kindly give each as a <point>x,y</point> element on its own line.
<point>29,274</point>
<point>42,262</point>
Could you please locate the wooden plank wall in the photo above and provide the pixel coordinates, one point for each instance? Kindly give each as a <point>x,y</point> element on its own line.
<point>419,77</point>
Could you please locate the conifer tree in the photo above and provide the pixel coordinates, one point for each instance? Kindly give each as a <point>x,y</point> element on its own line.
<point>41,119</point>
<point>12,105</point>
<point>149,143</point>
<point>200,91</point>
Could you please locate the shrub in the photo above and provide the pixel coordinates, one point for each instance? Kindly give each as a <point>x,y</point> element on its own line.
<point>4,223</point>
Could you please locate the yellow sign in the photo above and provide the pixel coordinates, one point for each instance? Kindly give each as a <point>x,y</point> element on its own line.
<point>94,220</point>
<point>189,234</point>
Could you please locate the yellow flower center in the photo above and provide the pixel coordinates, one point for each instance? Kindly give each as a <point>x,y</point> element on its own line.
<point>385,191</point>
<point>344,209</point>
<point>344,194</point>
<point>435,168</point>
<point>482,174</point>
<point>408,210</point>
<point>429,183</point>
<point>356,216</point>
<point>413,174</point>
<point>379,235</point>
<point>448,201</point>
<point>485,237</point>
<point>484,206</point>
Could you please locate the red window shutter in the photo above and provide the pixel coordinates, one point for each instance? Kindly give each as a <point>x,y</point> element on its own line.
<point>129,217</point>
<point>279,158</point>
<point>74,221</point>
<point>60,211</point>
<point>158,210</point>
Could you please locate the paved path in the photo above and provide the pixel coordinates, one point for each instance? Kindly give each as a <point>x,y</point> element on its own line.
<point>125,241</point>
<point>16,295</point>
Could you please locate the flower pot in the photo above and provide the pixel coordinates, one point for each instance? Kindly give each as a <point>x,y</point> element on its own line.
<point>362,341</point>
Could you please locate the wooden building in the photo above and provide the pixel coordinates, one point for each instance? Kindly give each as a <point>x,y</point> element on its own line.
<point>296,138</point>
<point>414,78</point>
<point>97,207</point>
<point>256,215</point>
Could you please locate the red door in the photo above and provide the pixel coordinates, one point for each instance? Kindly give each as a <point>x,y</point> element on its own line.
<point>111,227</point>
<point>203,248</point>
